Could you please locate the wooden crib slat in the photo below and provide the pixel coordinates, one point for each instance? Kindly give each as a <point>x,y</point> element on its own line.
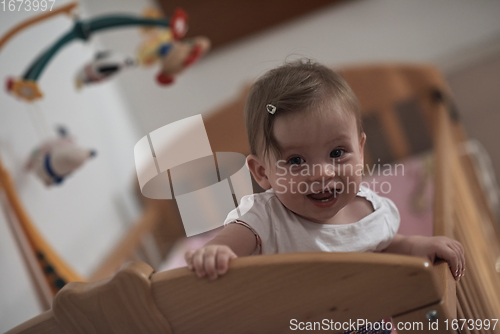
<point>473,289</point>
<point>478,251</point>
<point>457,215</point>
<point>472,282</point>
<point>482,300</point>
<point>465,302</point>
<point>474,181</point>
<point>490,226</point>
<point>461,315</point>
<point>474,305</point>
<point>443,182</point>
<point>127,245</point>
<point>392,128</point>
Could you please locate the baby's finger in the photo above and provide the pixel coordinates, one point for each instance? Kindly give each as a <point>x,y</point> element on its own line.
<point>198,262</point>
<point>457,247</point>
<point>462,252</point>
<point>222,261</point>
<point>209,261</point>
<point>188,257</point>
<point>460,246</point>
<point>449,255</point>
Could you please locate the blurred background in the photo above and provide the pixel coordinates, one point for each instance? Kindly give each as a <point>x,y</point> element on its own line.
<point>85,217</point>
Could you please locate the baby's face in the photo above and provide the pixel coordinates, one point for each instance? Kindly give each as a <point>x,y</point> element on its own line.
<point>321,165</point>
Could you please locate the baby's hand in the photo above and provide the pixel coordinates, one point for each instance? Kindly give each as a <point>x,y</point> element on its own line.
<point>211,260</point>
<point>444,248</point>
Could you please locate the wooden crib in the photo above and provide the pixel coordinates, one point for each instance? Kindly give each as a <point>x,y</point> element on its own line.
<point>407,109</point>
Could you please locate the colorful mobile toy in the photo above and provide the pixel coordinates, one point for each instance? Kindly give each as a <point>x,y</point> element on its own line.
<point>162,41</point>
<point>53,159</point>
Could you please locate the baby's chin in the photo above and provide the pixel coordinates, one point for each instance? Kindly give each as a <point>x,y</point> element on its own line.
<point>303,208</point>
<point>318,217</point>
<point>321,220</point>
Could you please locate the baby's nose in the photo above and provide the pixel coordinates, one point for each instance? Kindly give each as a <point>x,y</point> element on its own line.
<point>324,170</point>
<point>329,170</point>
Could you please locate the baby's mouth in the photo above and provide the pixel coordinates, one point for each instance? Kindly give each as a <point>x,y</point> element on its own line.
<point>324,196</point>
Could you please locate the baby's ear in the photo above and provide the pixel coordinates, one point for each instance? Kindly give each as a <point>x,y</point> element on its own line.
<point>258,170</point>
<point>362,141</point>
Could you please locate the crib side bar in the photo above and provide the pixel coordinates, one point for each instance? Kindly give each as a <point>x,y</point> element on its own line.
<point>44,323</point>
<point>443,182</point>
<point>128,244</point>
<point>302,286</point>
<point>119,304</point>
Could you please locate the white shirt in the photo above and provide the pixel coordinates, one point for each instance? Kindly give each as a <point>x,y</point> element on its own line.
<point>282,231</point>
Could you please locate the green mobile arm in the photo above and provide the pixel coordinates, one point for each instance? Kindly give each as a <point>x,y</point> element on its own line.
<point>83,30</point>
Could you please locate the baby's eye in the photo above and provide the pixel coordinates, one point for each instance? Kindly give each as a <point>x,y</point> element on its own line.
<point>335,154</point>
<point>296,161</point>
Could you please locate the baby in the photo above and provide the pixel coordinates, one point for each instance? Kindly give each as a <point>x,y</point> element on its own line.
<point>306,141</point>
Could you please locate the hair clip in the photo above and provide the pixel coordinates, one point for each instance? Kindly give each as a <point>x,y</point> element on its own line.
<point>271,109</point>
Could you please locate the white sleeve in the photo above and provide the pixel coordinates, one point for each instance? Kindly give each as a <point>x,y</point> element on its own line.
<point>392,221</point>
<point>253,211</point>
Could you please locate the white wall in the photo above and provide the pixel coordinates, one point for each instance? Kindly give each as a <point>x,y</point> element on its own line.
<point>84,217</point>
<point>448,32</point>
<point>81,219</point>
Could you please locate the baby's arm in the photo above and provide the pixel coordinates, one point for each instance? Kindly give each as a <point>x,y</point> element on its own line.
<point>212,259</point>
<point>431,248</point>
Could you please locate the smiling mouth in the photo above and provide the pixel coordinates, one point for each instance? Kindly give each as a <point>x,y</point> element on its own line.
<point>324,196</point>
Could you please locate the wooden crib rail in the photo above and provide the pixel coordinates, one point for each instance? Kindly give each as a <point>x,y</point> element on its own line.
<point>258,295</point>
<point>458,215</point>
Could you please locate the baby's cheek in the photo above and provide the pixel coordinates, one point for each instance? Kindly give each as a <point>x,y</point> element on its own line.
<point>352,177</point>
<point>353,186</point>
<point>280,185</point>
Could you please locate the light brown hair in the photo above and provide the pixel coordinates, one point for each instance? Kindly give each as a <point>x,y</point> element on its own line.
<point>297,86</point>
